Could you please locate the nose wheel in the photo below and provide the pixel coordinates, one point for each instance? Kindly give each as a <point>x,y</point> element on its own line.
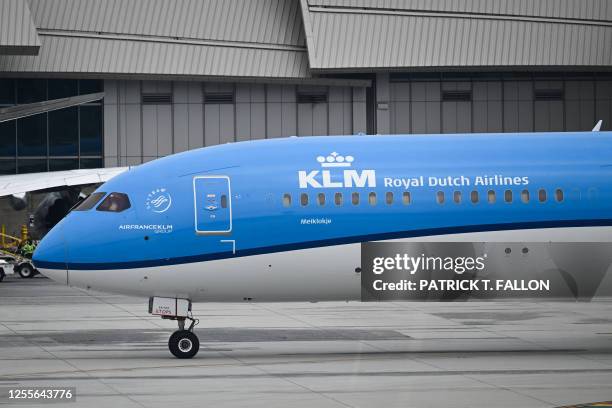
<point>184,343</point>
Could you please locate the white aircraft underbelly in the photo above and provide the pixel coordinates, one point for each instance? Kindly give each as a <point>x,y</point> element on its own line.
<point>316,274</point>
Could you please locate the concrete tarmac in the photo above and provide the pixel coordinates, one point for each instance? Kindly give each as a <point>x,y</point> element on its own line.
<point>477,354</point>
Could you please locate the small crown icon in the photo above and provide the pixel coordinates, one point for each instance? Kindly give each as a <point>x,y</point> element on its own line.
<point>335,160</point>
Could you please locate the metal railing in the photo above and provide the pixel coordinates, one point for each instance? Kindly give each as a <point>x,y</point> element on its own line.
<point>9,241</point>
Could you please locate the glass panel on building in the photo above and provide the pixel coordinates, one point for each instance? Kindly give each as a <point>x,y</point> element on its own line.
<point>32,136</point>
<point>63,164</point>
<point>31,90</point>
<point>64,132</point>
<point>74,134</point>
<point>7,166</point>
<point>91,163</point>
<point>7,138</point>
<point>91,130</point>
<point>62,88</point>
<point>7,92</point>
<point>31,165</point>
<point>88,86</point>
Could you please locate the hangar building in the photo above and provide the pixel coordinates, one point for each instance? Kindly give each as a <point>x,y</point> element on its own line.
<point>181,74</point>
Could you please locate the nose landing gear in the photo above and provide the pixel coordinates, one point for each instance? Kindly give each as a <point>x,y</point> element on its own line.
<point>184,343</point>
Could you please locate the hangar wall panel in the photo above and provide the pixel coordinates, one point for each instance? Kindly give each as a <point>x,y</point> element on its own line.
<point>487,106</point>
<point>518,106</point>
<point>111,122</point>
<point>137,132</point>
<point>603,101</point>
<point>579,104</point>
<point>495,103</point>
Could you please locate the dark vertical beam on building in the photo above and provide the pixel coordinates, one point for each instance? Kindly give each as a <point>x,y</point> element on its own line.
<point>141,122</point>
<point>371,109</point>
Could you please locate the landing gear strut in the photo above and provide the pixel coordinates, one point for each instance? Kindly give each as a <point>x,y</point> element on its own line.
<point>184,343</point>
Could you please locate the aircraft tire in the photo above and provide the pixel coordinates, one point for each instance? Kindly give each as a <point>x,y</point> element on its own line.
<point>26,271</point>
<point>2,274</point>
<point>183,344</point>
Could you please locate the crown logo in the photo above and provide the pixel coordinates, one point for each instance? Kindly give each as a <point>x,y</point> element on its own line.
<point>335,160</point>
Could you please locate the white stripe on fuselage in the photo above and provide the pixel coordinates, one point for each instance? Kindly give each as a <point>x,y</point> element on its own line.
<point>315,274</point>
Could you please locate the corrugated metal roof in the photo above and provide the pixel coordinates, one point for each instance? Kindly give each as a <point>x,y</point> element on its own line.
<point>575,9</point>
<point>195,38</point>
<point>343,36</point>
<point>253,21</point>
<point>17,31</point>
<point>104,56</point>
<point>268,38</point>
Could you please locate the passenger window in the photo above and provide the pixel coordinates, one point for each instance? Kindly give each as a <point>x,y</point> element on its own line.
<point>223,201</point>
<point>491,197</point>
<point>90,202</point>
<point>542,195</point>
<point>287,200</point>
<point>372,198</point>
<point>389,197</point>
<point>508,196</point>
<point>355,198</point>
<point>338,198</point>
<point>559,195</point>
<point>304,199</point>
<point>457,197</point>
<point>440,197</point>
<point>321,199</point>
<point>474,196</point>
<point>406,199</point>
<point>115,202</point>
<point>525,196</point>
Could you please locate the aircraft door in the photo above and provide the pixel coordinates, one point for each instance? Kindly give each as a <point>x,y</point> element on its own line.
<point>213,204</point>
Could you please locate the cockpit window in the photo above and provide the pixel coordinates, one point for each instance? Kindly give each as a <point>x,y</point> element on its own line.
<point>115,202</point>
<point>89,202</point>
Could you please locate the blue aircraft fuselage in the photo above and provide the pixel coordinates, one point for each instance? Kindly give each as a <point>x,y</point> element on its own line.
<point>269,196</point>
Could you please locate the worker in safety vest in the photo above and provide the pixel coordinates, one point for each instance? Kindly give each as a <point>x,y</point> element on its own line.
<point>27,249</point>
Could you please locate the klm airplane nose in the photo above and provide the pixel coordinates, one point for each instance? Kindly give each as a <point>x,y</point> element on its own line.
<point>50,255</point>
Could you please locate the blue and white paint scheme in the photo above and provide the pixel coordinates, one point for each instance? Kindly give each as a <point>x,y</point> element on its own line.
<point>282,219</point>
